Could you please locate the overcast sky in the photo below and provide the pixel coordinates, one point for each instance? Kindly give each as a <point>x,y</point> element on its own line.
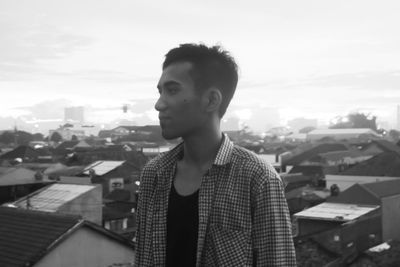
<point>314,59</point>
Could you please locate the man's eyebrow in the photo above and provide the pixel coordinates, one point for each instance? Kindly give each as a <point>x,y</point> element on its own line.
<point>168,83</point>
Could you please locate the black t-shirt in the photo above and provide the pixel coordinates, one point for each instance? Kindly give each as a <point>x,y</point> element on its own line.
<point>182,227</point>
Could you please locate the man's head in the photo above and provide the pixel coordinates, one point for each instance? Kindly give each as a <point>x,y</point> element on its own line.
<point>211,67</point>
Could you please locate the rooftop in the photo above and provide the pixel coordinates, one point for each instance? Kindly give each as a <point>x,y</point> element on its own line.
<point>383,164</point>
<point>20,176</point>
<point>27,235</point>
<point>336,211</point>
<point>102,167</point>
<point>343,131</point>
<point>52,197</point>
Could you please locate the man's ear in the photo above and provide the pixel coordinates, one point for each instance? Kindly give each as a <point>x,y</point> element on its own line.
<point>213,99</point>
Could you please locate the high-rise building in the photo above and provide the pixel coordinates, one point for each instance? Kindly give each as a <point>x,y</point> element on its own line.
<point>74,114</point>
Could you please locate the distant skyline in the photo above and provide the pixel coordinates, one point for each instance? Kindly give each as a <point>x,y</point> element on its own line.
<point>311,59</point>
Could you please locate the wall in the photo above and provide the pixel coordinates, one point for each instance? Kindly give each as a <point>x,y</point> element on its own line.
<point>345,181</point>
<point>88,205</point>
<point>391,217</point>
<point>85,248</point>
<point>310,227</point>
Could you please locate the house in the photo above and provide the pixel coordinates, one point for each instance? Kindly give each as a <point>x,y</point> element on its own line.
<point>25,153</point>
<point>383,164</point>
<point>304,197</point>
<point>340,158</point>
<point>44,239</point>
<point>146,130</point>
<point>330,215</point>
<point>378,146</point>
<point>309,152</point>
<point>119,213</point>
<point>342,134</point>
<point>82,200</point>
<point>385,194</point>
<point>343,182</point>
<point>16,182</point>
<point>112,174</point>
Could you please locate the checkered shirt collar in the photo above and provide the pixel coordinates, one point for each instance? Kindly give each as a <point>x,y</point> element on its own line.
<point>224,155</point>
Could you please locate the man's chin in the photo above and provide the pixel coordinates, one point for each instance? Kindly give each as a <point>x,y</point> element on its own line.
<point>169,136</point>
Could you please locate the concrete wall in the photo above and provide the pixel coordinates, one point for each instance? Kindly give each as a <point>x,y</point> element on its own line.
<point>85,248</point>
<point>87,205</point>
<point>310,227</point>
<point>391,217</point>
<point>345,181</point>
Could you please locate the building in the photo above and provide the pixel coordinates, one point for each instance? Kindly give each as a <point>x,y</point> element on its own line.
<point>343,182</point>
<point>45,239</point>
<point>342,134</point>
<point>385,194</point>
<point>16,182</point>
<point>345,230</point>
<point>82,200</point>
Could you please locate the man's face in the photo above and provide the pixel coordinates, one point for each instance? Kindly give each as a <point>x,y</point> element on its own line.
<point>179,104</point>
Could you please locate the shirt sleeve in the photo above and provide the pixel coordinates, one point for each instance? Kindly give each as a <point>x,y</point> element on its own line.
<point>271,235</point>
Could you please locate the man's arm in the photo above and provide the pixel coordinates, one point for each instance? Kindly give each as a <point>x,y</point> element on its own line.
<point>272,236</point>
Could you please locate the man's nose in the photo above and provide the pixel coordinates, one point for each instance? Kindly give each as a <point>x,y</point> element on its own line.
<point>160,104</point>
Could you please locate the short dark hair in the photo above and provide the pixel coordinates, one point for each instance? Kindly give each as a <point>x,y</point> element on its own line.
<point>212,66</point>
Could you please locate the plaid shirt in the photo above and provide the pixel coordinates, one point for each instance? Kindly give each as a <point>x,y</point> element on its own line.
<point>243,215</point>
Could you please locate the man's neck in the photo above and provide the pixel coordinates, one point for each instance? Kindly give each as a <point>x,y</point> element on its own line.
<point>201,149</point>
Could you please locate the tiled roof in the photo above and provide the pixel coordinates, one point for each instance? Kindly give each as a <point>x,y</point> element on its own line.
<point>384,189</point>
<point>356,194</point>
<point>26,235</point>
<point>384,164</point>
<point>20,152</point>
<point>387,146</point>
<point>311,152</point>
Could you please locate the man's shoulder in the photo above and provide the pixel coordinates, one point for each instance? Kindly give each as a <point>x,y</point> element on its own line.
<point>161,160</point>
<point>248,159</point>
<point>246,156</point>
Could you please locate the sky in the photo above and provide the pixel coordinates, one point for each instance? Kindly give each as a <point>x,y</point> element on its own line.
<point>312,59</point>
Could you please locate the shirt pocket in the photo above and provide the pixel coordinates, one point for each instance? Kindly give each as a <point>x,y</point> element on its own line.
<point>227,247</point>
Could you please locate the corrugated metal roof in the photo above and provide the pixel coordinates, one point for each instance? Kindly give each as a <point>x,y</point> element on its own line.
<point>336,211</point>
<point>53,197</point>
<point>102,167</point>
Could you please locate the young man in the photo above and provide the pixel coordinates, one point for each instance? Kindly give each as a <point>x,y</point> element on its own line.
<point>207,202</point>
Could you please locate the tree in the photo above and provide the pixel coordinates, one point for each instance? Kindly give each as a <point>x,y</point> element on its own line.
<point>74,138</point>
<point>56,137</point>
<point>356,120</point>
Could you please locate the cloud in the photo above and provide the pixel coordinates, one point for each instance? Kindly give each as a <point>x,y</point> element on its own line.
<point>47,110</point>
<point>24,46</point>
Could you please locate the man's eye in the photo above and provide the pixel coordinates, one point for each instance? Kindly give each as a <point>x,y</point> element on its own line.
<point>172,90</point>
